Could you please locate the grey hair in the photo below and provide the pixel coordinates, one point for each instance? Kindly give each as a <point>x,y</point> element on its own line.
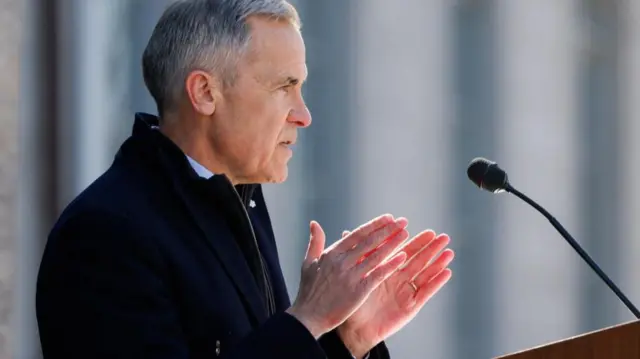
<point>209,35</point>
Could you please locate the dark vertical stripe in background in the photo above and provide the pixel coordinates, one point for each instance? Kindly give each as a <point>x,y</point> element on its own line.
<point>143,16</point>
<point>474,214</point>
<point>327,157</point>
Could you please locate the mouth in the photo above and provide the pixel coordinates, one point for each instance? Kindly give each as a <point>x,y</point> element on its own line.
<point>287,143</point>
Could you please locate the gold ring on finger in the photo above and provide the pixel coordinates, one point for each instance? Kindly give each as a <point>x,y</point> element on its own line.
<point>413,285</point>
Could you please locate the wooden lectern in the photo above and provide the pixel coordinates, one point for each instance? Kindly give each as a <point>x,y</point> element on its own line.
<point>617,342</point>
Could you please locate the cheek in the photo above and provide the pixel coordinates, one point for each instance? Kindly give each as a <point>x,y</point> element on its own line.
<point>267,149</point>
<point>261,149</point>
<point>263,129</point>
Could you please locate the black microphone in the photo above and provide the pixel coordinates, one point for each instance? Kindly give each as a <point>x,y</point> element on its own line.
<point>489,176</point>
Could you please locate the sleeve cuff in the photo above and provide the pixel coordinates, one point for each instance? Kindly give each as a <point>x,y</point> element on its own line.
<point>333,346</point>
<point>288,338</point>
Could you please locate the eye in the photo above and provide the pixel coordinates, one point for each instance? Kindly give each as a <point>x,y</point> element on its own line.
<point>286,88</point>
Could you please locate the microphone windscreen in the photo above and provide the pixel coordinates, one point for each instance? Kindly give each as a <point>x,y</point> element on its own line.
<point>477,170</point>
<point>487,175</point>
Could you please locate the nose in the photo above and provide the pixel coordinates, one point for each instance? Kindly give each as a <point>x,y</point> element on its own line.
<point>300,117</point>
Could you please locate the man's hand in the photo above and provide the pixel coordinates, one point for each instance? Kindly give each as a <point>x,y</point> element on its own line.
<point>399,298</point>
<point>337,280</point>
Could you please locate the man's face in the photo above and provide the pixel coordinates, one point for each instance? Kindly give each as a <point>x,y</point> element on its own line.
<point>256,120</point>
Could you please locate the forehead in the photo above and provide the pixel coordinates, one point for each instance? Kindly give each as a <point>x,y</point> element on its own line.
<point>276,50</point>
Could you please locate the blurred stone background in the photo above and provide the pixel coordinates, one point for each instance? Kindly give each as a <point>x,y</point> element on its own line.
<point>10,31</point>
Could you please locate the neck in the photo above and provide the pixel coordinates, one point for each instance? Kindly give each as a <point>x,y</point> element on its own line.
<point>194,142</point>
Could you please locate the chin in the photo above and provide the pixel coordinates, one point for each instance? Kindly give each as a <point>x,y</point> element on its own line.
<point>278,176</point>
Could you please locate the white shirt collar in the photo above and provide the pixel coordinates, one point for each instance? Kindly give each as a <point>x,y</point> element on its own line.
<point>201,170</point>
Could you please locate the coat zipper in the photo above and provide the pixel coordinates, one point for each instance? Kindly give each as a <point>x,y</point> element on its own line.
<point>269,294</point>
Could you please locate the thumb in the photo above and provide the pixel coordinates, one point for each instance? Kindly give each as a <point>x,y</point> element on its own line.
<point>345,233</point>
<point>316,242</point>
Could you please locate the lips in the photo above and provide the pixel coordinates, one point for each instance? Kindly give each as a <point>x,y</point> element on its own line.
<point>287,146</point>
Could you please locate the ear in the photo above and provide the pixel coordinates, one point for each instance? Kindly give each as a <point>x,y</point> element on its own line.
<point>202,90</point>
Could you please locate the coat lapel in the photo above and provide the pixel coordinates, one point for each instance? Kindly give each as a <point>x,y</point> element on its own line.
<point>262,225</point>
<point>217,233</point>
<point>215,229</point>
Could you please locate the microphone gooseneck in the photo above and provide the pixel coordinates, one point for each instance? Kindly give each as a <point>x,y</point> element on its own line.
<point>489,176</point>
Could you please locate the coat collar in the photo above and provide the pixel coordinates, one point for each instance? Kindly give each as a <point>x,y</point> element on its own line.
<point>147,125</point>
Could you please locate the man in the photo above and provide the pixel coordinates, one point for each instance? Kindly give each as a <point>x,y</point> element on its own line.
<point>171,254</point>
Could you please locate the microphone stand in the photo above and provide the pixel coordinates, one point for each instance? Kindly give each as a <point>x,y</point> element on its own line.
<point>572,242</point>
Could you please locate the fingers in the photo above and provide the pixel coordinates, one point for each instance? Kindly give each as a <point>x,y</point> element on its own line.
<point>382,272</point>
<point>428,290</point>
<point>421,256</point>
<point>317,239</point>
<point>401,222</point>
<point>373,242</point>
<point>417,243</point>
<point>382,252</point>
<point>362,232</point>
<point>433,276</point>
<point>425,277</point>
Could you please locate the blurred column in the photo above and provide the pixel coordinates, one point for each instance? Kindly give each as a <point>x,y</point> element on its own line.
<point>142,18</point>
<point>93,89</point>
<point>474,214</point>
<point>629,13</point>
<point>330,49</point>
<point>401,138</point>
<point>37,175</point>
<point>601,193</point>
<point>538,273</point>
